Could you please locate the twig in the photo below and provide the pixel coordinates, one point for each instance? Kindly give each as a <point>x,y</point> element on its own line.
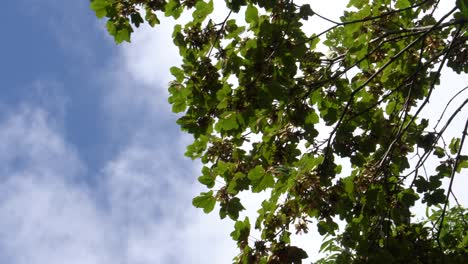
<point>440,133</point>
<point>452,176</point>
<point>447,105</point>
<point>427,97</point>
<point>220,32</point>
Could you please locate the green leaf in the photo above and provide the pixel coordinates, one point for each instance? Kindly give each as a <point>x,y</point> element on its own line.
<point>349,185</point>
<point>400,4</point>
<point>251,14</point>
<point>177,98</point>
<point>463,6</point>
<point>227,122</point>
<point>195,150</point>
<point>238,183</point>
<point>408,197</point>
<point>260,179</point>
<point>439,152</point>
<point>434,198</point>
<point>434,182</point>
<point>462,163</point>
<point>151,18</point>
<point>173,8</point>
<point>444,170</point>
<point>294,255</point>
<point>136,19</point>
<point>327,227</point>
<point>178,74</point>
<point>266,182</point>
<point>241,230</point>
<point>422,185</point>
<point>256,173</point>
<point>121,32</point>
<point>322,227</point>
<point>111,28</point>
<point>309,162</point>
<point>223,168</point>
<point>231,209</point>
<point>208,178</point>
<point>357,3</point>
<point>100,7</point>
<point>312,118</point>
<point>235,5</point>
<point>390,107</point>
<point>205,200</point>
<point>202,10</point>
<point>326,245</point>
<point>286,237</point>
<point>233,29</point>
<point>426,141</point>
<point>454,145</point>
<point>305,12</point>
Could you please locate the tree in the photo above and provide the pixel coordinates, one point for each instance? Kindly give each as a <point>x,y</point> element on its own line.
<point>360,101</point>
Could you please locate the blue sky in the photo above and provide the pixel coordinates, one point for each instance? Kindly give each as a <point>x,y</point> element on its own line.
<point>92,166</point>
<point>92,161</point>
<point>51,60</point>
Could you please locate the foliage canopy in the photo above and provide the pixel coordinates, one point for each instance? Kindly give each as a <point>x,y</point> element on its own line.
<point>357,104</point>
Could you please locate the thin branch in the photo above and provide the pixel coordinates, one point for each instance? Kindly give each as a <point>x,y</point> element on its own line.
<point>338,24</point>
<point>384,97</point>
<point>462,215</point>
<point>439,135</point>
<point>435,7</point>
<point>327,19</point>
<point>426,100</point>
<point>383,14</point>
<point>424,28</point>
<point>452,176</point>
<point>392,59</point>
<point>223,24</point>
<point>447,105</point>
<point>338,74</point>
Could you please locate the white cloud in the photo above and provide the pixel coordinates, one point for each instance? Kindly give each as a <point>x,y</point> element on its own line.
<point>150,55</point>
<point>150,197</point>
<point>29,141</point>
<point>46,214</point>
<point>49,221</point>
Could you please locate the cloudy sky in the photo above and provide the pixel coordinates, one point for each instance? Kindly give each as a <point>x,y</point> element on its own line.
<point>92,166</point>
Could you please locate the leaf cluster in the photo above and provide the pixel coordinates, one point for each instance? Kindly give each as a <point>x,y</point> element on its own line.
<point>361,101</point>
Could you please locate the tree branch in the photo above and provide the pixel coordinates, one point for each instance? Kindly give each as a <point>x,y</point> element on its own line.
<point>452,176</point>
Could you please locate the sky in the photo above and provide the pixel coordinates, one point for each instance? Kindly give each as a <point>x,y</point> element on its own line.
<point>92,165</point>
